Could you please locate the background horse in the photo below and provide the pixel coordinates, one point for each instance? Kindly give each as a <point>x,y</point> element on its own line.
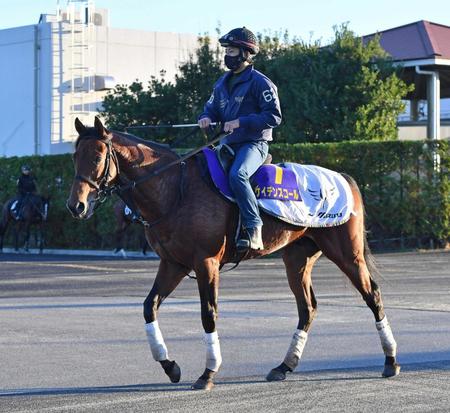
<point>124,218</point>
<point>191,227</point>
<point>34,211</point>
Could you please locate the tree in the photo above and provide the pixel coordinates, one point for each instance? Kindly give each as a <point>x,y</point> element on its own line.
<point>347,90</point>
<point>164,102</point>
<point>195,82</point>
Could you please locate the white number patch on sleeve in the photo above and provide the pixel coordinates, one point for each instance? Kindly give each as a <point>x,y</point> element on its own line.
<point>267,95</point>
<point>211,98</point>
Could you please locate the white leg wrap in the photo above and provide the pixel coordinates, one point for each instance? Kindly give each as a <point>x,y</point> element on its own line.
<point>387,338</point>
<point>156,341</point>
<point>213,356</point>
<point>295,350</point>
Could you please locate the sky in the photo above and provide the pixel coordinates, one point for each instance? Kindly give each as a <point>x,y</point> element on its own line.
<point>308,20</point>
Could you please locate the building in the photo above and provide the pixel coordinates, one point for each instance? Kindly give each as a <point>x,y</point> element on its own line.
<point>422,49</point>
<point>62,67</point>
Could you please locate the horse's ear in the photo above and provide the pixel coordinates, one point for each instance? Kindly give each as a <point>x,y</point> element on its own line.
<point>101,130</point>
<point>79,127</point>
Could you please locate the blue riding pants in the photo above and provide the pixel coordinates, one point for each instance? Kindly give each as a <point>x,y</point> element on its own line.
<point>249,156</point>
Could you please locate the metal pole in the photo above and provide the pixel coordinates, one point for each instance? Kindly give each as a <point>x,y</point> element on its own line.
<point>434,111</point>
<point>36,114</point>
<point>433,103</point>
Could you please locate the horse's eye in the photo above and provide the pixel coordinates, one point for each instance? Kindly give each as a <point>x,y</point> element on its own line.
<point>98,159</point>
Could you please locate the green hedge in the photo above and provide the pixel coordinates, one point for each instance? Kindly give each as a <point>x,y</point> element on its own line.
<point>405,197</point>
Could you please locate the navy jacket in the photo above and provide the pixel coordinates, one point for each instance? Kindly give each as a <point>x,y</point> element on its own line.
<point>253,99</point>
<point>26,184</point>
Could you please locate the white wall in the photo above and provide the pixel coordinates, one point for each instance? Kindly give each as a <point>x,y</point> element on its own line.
<point>17,91</point>
<point>126,55</point>
<point>419,132</point>
<point>132,54</point>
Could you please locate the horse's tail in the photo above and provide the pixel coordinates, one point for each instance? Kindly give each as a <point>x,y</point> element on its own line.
<point>368,256</point>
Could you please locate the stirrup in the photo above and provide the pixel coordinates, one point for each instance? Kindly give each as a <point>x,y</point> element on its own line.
<point>251,240</point>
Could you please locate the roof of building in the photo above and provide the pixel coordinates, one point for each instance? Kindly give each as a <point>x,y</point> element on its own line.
<point>415,41</point>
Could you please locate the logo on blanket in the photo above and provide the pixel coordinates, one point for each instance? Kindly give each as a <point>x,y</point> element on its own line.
<point>329,215</point>
<point>274,182</point>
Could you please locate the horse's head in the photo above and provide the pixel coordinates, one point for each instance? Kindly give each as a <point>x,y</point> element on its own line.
<point>96,168</point>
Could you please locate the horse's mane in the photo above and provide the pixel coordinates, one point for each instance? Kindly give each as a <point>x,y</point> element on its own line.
<point>92,133</point>
<point>152,145</point>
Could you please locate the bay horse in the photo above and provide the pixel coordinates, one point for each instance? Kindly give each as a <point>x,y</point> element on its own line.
<point>34,211</point>
<point>124,218</point>
<point>191,227</point>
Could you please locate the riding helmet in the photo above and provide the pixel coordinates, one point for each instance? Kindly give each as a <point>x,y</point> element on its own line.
<point>240,37</point>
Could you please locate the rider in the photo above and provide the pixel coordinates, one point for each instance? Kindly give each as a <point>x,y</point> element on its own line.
<point>26,185</point>
<point>246,102</point>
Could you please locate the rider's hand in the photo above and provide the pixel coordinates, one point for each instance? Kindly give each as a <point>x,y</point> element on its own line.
<point>204,123</point>
<point>231,125</point>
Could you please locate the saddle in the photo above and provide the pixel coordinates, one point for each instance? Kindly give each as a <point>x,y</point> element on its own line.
<point>225,155</point>
<point>13,210</point>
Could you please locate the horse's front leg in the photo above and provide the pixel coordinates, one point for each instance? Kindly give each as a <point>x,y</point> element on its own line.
<point>208,284</point>
<point>17,231</point>
<point>168,277</point>
<point>26,244</point>
<point>41,237</point>
<point>2,234</point>
<point>299,259</point>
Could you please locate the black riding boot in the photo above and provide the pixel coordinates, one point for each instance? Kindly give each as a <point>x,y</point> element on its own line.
<point>251,238</point>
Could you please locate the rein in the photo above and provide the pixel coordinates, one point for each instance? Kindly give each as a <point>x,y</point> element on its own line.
<point>123,191</point>
<point>180,160</point>
<point>104,189</point>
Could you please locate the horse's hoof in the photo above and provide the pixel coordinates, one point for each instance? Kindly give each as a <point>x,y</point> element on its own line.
<point>203,384</point>
<point>276,374</point>
<point>391,370</point>
<point>173,371</point>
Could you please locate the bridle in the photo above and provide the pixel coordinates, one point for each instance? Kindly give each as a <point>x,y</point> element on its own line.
<point>102,187</point>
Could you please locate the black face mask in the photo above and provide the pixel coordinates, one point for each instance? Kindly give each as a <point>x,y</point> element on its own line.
<point>234,62</point>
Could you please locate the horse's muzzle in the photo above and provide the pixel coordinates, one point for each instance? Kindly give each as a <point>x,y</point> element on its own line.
<point>77,210</point>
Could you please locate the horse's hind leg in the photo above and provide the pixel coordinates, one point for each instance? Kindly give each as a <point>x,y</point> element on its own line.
<point>345,245</point>
<point>120,235</point>
<point>299,259</point>
<point>207,271</point>
<point>168,277</point>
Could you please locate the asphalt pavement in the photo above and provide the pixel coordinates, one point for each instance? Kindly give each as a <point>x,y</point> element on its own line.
<point>73,338</point>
